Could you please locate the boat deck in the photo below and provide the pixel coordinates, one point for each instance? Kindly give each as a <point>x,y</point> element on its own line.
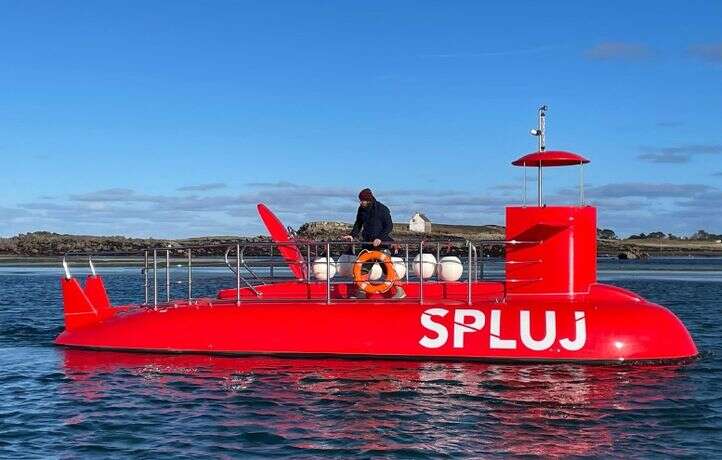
<point>452,292</point>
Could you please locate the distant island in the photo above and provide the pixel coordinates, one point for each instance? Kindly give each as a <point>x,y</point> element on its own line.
<point>47,244</point>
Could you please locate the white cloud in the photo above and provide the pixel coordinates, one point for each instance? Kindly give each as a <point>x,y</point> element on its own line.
<point>619,51</point>
<point>626,207</point>
<point>709,52</point>
<point>678,154</point>
<point>202,187</point>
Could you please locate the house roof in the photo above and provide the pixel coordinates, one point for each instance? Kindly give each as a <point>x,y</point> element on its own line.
<point>423,216</point>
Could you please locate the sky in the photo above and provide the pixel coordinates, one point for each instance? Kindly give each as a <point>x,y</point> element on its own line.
<point>174,118</point>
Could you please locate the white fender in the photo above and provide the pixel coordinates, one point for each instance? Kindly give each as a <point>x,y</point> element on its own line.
<point>450,268</point>
<point>399,266</point>
<point>376,272</point>
<point>427,267</point>
<point>323,270</point>
<point>345,264</point>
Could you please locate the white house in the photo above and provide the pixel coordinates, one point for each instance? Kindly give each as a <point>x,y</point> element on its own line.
<point>420,223</point>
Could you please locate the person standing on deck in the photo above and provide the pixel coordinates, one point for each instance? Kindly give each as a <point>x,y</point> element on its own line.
<point>373,221</point>
<point>373,225</point>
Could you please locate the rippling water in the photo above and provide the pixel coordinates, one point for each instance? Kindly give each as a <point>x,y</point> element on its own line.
<point>64,403</point>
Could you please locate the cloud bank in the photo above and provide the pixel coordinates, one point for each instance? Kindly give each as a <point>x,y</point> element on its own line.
<point>678,154</point>
<point>202,187</point>
<point>709,52</point>
<point>627,207</point>
<point>608,51</point>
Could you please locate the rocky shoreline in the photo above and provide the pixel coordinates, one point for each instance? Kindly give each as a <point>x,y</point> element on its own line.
<point>49,245</point>
<point>45,244</point>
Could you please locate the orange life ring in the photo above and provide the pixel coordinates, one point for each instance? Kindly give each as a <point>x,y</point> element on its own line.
<point>362,281</point>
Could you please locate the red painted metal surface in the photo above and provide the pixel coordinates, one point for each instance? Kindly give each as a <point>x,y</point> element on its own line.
<point>97,295</point>
<point>558,250</point>
<point>550,158</point>
<point>607,324</point>
<point>290,252</point>
<point>78,309</point>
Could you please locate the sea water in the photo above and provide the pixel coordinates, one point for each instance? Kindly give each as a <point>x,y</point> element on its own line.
<point>67,403</point>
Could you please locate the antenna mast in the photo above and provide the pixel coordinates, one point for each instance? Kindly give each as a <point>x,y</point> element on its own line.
<point>540,133</point>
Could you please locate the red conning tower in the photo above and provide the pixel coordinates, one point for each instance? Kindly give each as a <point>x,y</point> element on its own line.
<point>555,250</point>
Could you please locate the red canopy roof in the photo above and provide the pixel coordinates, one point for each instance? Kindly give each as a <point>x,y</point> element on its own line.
<point>550,158</point>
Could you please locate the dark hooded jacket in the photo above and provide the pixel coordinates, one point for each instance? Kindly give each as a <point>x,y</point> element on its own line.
<point>373,222</point>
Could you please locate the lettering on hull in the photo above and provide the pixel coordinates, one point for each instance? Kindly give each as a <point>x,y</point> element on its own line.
<point>472,321</point>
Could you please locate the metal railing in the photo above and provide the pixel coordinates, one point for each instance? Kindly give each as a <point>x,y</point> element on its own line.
<point>264,255</point>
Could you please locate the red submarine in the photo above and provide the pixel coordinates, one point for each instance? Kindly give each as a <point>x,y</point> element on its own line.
<point>548,308</point>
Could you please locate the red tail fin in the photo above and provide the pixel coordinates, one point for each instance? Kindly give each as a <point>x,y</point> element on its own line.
<point>98,296</point>
<point>84,307</point>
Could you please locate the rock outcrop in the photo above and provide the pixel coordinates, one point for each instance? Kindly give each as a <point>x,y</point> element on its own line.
<point>37,244</point>
<point>630,253</point>
<point>324,230</point>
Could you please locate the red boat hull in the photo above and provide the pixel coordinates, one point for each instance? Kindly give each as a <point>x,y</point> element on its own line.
<point>606,325</point>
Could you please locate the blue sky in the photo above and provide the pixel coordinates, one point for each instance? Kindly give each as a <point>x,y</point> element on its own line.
<point>175,118</point>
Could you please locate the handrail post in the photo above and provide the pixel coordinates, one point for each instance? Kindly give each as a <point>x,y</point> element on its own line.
<point>328,273</point>
<point>524,195</point>
<point>155,278</point>
<point>581,183</point>
<point>480,264</point>
<point>167,276</point>
<point>238,274</point>
<point>145,274</point>
<point>308,262</point>
<point>468,293</point>
<point>421,272</point>
<point>190,276</point>
<point>407,263</point>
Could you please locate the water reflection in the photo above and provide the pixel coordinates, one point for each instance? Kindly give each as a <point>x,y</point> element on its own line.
<point>381,407</point>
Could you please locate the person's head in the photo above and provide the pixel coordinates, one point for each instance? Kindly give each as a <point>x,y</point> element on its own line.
<point>366,197</point>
